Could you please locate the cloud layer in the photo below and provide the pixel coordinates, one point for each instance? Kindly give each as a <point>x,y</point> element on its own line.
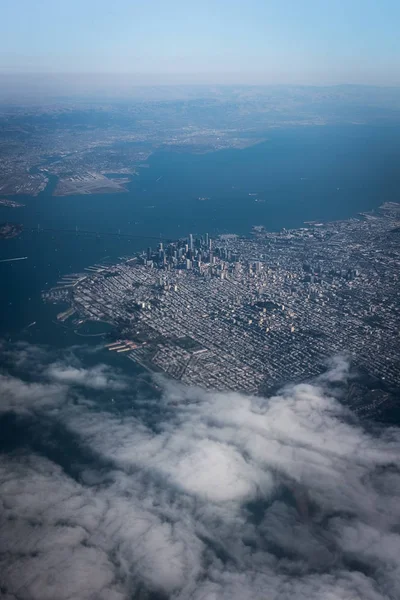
<point>193,495</point>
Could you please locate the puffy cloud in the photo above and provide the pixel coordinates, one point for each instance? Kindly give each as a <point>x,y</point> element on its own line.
<point>221,496</point>
<point>45,534</point>
<point>23,355</point>
<point>39,362</point>
<point>99,377</point>
<point>20,396</point>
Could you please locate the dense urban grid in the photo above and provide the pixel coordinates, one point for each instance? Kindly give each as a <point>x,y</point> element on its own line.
<point>251,313</point>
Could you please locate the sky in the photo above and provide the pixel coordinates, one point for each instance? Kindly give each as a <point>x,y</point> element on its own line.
<point>207,41</point>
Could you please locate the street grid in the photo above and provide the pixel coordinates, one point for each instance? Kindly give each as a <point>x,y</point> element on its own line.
<point>248,314</point>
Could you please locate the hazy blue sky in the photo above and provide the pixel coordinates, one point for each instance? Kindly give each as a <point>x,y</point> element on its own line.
<point>302,41</point>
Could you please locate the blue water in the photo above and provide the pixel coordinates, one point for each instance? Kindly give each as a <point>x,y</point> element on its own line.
<point>301,174</point>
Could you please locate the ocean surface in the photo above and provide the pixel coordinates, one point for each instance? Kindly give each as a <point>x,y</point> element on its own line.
<point>297,175</point>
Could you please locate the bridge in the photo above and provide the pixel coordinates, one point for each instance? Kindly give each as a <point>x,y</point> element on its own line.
<point>99,234</point>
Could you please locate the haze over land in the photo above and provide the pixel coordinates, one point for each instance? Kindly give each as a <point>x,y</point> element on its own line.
<point>83,140</point>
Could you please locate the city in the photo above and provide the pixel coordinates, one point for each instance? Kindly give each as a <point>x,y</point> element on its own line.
<point>200,300</point>
<point>249,314</point>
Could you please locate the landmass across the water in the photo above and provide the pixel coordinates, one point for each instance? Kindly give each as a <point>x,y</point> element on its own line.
<point>80,142</point>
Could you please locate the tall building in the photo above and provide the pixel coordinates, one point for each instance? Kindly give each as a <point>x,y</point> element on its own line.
<point>206,240</point>
<point>191,242</point>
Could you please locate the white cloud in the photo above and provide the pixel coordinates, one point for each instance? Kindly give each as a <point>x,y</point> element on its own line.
<point>20,396</point>
<point>229,497</point>
<point>99,377</point>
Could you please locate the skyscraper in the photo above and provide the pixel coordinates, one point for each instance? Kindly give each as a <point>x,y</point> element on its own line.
<point>191,242</point>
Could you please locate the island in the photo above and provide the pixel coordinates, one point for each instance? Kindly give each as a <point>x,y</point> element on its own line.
<point>10,203</point>
<point>9,230</point>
